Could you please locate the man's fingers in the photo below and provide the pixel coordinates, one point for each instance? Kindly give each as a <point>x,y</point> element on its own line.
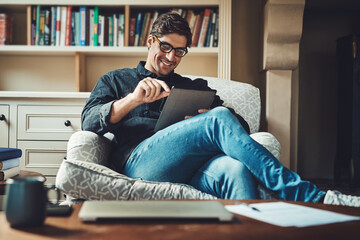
<point>203,110</point>
<point>164,85</point>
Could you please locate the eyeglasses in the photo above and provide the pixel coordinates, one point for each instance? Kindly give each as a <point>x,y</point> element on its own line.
<point>166,48</point>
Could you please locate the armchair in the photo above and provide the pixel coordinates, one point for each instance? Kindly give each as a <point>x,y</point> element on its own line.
<point>86,173</point>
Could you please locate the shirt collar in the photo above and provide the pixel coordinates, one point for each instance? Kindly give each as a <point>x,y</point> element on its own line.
<point>146,73</point>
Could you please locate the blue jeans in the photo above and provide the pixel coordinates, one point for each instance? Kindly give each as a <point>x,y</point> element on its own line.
<point>213,153</point>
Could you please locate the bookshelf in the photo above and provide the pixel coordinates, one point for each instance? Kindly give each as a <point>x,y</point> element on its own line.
<point>43,88</point>
<point>79,67</point>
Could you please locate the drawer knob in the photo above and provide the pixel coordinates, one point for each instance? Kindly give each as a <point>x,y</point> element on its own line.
<point>67,123</point>
<point>2,117</point>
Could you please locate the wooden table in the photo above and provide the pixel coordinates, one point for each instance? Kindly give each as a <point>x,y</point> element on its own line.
<point>241,228</point>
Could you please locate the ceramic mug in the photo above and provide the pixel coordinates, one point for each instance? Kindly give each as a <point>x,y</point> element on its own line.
<point>26,200</point>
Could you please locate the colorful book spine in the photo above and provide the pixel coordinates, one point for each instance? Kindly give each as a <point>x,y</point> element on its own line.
<point>33,25</point>
<point>83,26</point>
<point>77,28</point>
<point>115,30</point>
<point>37,29</point>
<point>53,26</point>
<point>111,32</point>
<point>42,28</point>
<point>106,31</point>
<point>73,29</point>
<point>96,25</point>
<point>9,163</point>
<point>5,29</point>
<point>58,25</point>
<point>138,29</point>
<point>47,26</point>
<point>212,29</point>
<point>101,39</point>
<point>145,28</point>
<point>63,26</point>
<point>216,32</point>
<point>91,27</point>
<point>204,27</point>
<point>121,30</point>
<point>197,29</point>
<point>132,31</point>
<point>68,26</point>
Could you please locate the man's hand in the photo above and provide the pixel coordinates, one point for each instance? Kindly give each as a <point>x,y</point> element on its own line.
<point>149,90</point>
<point>199,111</point>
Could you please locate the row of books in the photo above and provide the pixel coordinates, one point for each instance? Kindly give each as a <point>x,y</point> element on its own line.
<point>88,26</point>
<point>75,26</point>
<point>203,23</point>
<point>9,162</point>
<point>204,26</point>
<point>5,29</point>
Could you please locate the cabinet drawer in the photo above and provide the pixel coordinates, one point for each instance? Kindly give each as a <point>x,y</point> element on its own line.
<point>42,156</point>
<point>4,125</point>
<point>48,122</point>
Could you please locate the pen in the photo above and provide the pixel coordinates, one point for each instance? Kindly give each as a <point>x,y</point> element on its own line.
<point>247,205</point>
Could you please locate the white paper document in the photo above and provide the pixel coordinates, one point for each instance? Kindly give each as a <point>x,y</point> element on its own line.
<point>289,215</point>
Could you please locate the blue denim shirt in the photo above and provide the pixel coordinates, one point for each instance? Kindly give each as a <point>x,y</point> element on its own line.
<point>138,124</point>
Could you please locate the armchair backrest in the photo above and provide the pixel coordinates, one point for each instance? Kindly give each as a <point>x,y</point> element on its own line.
<point>242,97</point>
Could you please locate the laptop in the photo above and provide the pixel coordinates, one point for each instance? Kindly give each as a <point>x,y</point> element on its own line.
<point>92,211</point>
<point>181,103</point>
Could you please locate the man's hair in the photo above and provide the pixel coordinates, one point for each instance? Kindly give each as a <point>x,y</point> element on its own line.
<point>171,23</point>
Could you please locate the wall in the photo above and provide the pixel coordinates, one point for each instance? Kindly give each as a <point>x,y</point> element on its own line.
<point>246,42</point>
<point>324,22</point>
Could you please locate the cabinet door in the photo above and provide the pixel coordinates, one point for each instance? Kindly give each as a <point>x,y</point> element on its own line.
<point>42,156</point>
<point>4,126</point>
<point>48,122</point>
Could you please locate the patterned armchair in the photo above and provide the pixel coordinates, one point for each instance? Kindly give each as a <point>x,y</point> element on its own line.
<point>86,174</point>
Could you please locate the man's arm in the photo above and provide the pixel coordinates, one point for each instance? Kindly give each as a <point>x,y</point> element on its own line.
<point>104,110</point>
<point>148,90</point>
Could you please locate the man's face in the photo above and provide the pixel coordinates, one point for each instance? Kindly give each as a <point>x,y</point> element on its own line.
<point>162,63</point>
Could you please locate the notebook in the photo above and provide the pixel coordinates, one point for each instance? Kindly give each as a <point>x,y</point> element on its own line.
<point>181,103</point>
<point>196,210</point>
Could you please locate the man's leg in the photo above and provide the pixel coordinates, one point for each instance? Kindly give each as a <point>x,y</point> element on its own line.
<point>225,178</point>
<point>177,152</point>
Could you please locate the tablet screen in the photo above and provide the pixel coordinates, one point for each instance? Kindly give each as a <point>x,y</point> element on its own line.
<point>181,103</point>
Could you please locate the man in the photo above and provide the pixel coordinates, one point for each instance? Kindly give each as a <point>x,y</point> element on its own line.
<point>211,151</point>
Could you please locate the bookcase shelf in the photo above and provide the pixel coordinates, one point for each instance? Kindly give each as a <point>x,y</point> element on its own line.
<point>93,51</point>
<point>79,67</point>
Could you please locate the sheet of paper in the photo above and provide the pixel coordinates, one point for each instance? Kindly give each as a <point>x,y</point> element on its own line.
<point>287,214</point>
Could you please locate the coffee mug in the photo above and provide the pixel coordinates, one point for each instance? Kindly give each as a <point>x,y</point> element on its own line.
<point>26,200</point>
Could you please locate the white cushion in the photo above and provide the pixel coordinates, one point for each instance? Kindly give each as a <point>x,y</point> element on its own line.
<point>91,181</point>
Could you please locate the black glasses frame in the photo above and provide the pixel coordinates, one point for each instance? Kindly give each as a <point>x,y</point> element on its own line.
<point>171,48</point>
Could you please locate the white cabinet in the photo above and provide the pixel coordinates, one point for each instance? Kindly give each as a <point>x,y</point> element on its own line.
<point>40,124</point>
<point>4,125</point>
<point>46,122</point>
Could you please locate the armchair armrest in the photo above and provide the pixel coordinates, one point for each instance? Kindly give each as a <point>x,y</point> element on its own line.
<point>89,147</point>
<point>269,142</point>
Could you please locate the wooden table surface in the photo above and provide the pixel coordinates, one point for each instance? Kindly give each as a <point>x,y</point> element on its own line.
<point>241,228</point>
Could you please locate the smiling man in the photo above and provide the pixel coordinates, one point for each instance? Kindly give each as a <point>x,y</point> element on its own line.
<point>211,151</point>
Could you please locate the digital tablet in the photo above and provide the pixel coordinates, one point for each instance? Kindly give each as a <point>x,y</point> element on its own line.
<point>181,103</point>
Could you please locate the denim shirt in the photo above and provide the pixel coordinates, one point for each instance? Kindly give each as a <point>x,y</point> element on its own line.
<point>139,123</point>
